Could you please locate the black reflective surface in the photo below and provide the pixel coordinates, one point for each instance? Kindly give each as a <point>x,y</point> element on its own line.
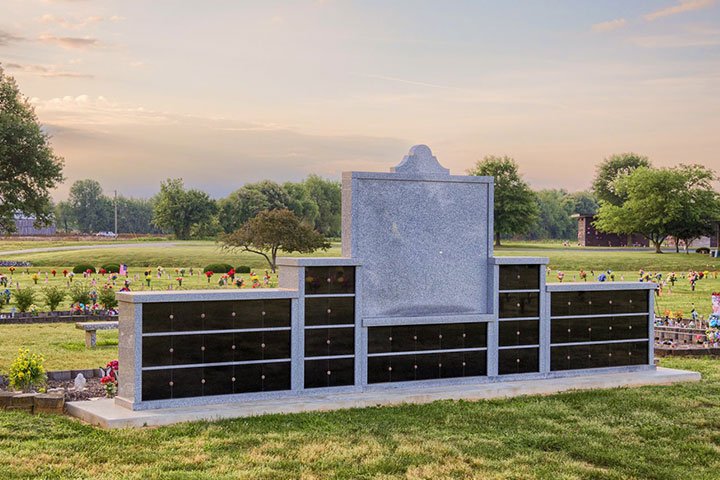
<point>598,329</point>
<point>324,280</point>
<point>598,355</point>
<point>521,332</point>
<point>215,380</point>
<point>329,373</point>
<point>411,338</point>
<point>194,316</point>
<point>330,311</point>
<point>598,302</point>
<point>519,277</point>
<point>518,360</point>
<point>519,305</point>
<point>403,368</point>
<point>329,341</point>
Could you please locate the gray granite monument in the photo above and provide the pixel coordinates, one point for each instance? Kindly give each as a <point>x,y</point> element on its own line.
<point>417,300</point>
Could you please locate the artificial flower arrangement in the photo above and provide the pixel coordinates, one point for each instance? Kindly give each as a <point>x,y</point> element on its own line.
<point>109,378</point>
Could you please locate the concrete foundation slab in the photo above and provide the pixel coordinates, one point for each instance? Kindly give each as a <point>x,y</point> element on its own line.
<point>106,414</point>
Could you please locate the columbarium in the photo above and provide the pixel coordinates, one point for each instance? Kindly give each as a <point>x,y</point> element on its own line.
<point>418,308</point>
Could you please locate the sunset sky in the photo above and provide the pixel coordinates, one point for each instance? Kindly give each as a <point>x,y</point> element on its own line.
<point>222,93</point>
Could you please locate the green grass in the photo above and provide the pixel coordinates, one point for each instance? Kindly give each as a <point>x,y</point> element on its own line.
<point>62,345</point>
<point>663,432</point>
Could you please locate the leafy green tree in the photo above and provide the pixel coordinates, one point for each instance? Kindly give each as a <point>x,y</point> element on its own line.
<point>91,210</point>
<point>64,219</point>
<point>54,296</point>
<point>662,202</point>
<point>275,195</point>
<point>301,203</point>
<point>239,207</point>
<point>28,167</point>
<point>271,231</point>
<point>700,205</point>
<point>613,168</point>
<point>554,220</point>
<point>584,203</point>
<point>327,195</point>
<point>516,208</point>
<point>135,215</point>
<point>178,210</point>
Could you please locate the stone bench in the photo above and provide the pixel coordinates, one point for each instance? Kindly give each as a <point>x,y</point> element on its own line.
<point>91,329</point>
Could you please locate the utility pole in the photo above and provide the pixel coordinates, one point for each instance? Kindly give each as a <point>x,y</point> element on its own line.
<point>116,213</point>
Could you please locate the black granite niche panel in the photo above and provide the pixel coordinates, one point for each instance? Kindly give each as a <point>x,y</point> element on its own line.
<point>194,316</point>
<point>330,311</point>
<point>518,360</point>
<point>214,380</point>
<point>598,302</point>
<point>519,277</point>
<point>323,342</point>
<point>329,280</point>
<point>519,305</point>
<point>577,357</point>
<point>335,372</point>
<point>169,350</point>
<point>427,366</point>
<point>519,332</point>
<point>412,338</point>
<point>598,329</point>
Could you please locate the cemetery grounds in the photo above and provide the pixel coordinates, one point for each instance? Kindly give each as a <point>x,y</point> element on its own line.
<point>649,432</point>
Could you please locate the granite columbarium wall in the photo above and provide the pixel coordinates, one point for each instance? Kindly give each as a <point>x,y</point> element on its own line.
<point>418,300</point>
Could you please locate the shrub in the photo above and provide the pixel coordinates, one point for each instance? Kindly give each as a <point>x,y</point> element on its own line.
<point>82,268</point>
<point>218,268</point>
<point>111,267</point>
<point>54,295</point>
<point>80,293</point>
<point>243,269</point>
<point>27,371</point>
<point>24,298</point>
<point>107,299</point>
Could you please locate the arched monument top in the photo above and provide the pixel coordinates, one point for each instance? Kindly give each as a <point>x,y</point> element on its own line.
<point>420,160</point>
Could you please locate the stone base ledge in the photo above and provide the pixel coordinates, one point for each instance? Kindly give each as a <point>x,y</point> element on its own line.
<point>106,414</point>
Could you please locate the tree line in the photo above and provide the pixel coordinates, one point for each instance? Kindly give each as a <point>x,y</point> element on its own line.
<point>629,196</point>
<point>191,213</point>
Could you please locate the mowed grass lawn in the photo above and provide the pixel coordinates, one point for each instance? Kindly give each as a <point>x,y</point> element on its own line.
<point>662,432</point>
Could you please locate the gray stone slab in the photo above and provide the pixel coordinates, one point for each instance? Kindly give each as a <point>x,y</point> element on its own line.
<point>519,261</point>
<point>106,414</point>
<point>317,261</point>
<point>587,286</point>
<point>206,295</point>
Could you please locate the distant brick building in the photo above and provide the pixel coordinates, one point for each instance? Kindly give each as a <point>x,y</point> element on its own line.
<point>588,236</point>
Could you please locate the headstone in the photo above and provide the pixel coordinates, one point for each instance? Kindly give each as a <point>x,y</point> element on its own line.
<point>80,382</point>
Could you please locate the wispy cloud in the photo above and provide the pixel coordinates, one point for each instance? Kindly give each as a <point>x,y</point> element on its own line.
<point>609,25</point>
<point>77,43</point>
<point>51,71</point>
<point>6,38</point>
<point>682,6</point>
<point>76,23</point>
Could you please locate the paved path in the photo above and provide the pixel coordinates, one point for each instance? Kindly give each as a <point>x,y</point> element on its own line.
<point>89,247</point>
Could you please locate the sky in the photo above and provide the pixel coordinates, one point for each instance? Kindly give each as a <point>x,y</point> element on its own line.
<point>222,93</point>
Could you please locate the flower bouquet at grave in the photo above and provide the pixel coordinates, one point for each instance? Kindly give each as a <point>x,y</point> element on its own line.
<point>109,378</point>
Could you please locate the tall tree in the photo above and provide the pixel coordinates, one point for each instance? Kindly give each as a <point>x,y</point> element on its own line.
<point>91,210</point>
<point>273,230</point>
<point>613,168</point>
<point>516,208</point>
<point>301,203</point>
<point>327,195</point>
<point>135,215</point>
<point>64,219</point>
<point>700,205</point>
<point>584,203</point>
<point>28,167</point>
<point>178,210</point>
<point>239,207</point>
<point>661,202</point>
<point>554,221</point>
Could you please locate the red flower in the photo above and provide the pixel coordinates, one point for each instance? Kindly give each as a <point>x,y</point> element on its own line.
<point>106,379</point>
<point>209,274</point>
